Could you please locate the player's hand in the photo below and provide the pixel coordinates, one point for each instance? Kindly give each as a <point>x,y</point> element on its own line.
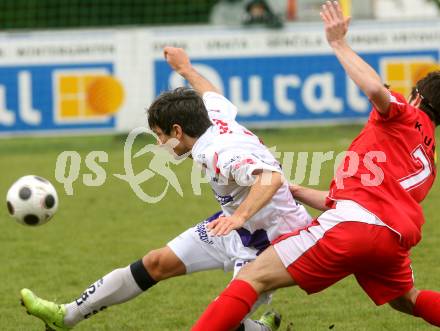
<point>224,225</point>
<point>177,59</point>
<point>336,26</point>
<point>294,188</point>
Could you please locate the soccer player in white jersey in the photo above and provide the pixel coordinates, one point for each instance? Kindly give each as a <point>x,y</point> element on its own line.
<point>246,180</point>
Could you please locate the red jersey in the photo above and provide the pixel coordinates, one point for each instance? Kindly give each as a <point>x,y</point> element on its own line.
<point>395,168</point>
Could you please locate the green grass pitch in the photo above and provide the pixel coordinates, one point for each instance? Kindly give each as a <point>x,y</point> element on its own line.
<point>101,228</point>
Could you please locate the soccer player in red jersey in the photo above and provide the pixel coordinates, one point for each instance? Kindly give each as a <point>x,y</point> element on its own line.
<point>372,216</point>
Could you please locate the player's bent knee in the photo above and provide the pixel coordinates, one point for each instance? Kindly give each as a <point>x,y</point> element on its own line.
<point>266,273</point>
<point>162,263</point>
<point>155,265</point>
<point>406,302</point>
<point>401,305</point>
<point>248,275</point>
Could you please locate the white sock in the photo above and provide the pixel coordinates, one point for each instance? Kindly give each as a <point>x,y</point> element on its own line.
<point>116,287</point>
<point>251,325</point>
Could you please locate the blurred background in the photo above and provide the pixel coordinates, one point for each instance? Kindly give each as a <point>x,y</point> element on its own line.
<point>46,14</point>
<point>93,66</point>
<point>76,76</point>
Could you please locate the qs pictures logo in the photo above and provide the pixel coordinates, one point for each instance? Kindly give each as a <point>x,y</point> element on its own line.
<point>86,95</point>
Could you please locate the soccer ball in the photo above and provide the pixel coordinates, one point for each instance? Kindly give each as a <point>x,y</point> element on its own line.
<point>32,200</point>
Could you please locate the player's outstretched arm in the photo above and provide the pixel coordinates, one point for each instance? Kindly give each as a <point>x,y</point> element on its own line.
<point>180,62</point>
<point>261,192</point>
<point>310,197</point>
<point>364,76</point>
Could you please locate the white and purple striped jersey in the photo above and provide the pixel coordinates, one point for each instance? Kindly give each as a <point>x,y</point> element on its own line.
<point>230,154</point>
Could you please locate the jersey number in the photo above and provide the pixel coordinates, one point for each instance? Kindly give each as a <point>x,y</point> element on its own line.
<point>223,127</point>
<point>417,178</point>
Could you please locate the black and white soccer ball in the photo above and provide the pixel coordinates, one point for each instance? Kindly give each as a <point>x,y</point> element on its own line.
<point>32,200</point>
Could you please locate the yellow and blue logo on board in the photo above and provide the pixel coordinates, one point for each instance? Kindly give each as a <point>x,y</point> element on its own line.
<point>403,73</point>
<point>85,95</point>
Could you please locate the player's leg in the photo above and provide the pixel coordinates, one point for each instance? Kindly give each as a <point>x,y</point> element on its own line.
<point>264,274</point>
<point>427,306</point>
<point>267,273</point>
<point>124,284</point>
<point>182,255</point>
<point>424,304</point>
<point>270,320</point>
<point>199,251</point>
<point>118,286</point>
<point>314,258</point>
<point>405,303</point>
<point>163,263</point>
<point>388,278</point>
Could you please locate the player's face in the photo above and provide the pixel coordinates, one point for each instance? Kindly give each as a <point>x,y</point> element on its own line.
<point>173,141</point>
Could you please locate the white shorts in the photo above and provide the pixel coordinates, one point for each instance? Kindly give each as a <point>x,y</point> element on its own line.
<point>199,251</point>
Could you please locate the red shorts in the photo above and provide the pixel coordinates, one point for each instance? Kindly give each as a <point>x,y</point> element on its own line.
<point>343,241</point>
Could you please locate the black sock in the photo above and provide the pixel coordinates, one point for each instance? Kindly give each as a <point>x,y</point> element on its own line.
<point>141,275</point>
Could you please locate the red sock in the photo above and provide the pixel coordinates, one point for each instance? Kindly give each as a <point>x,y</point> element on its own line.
<point>428,307</point>
<point>227,311</point>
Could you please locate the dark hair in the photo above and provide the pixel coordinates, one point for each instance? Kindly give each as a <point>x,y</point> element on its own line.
<point>429,90</point>
<point>182,106</point>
